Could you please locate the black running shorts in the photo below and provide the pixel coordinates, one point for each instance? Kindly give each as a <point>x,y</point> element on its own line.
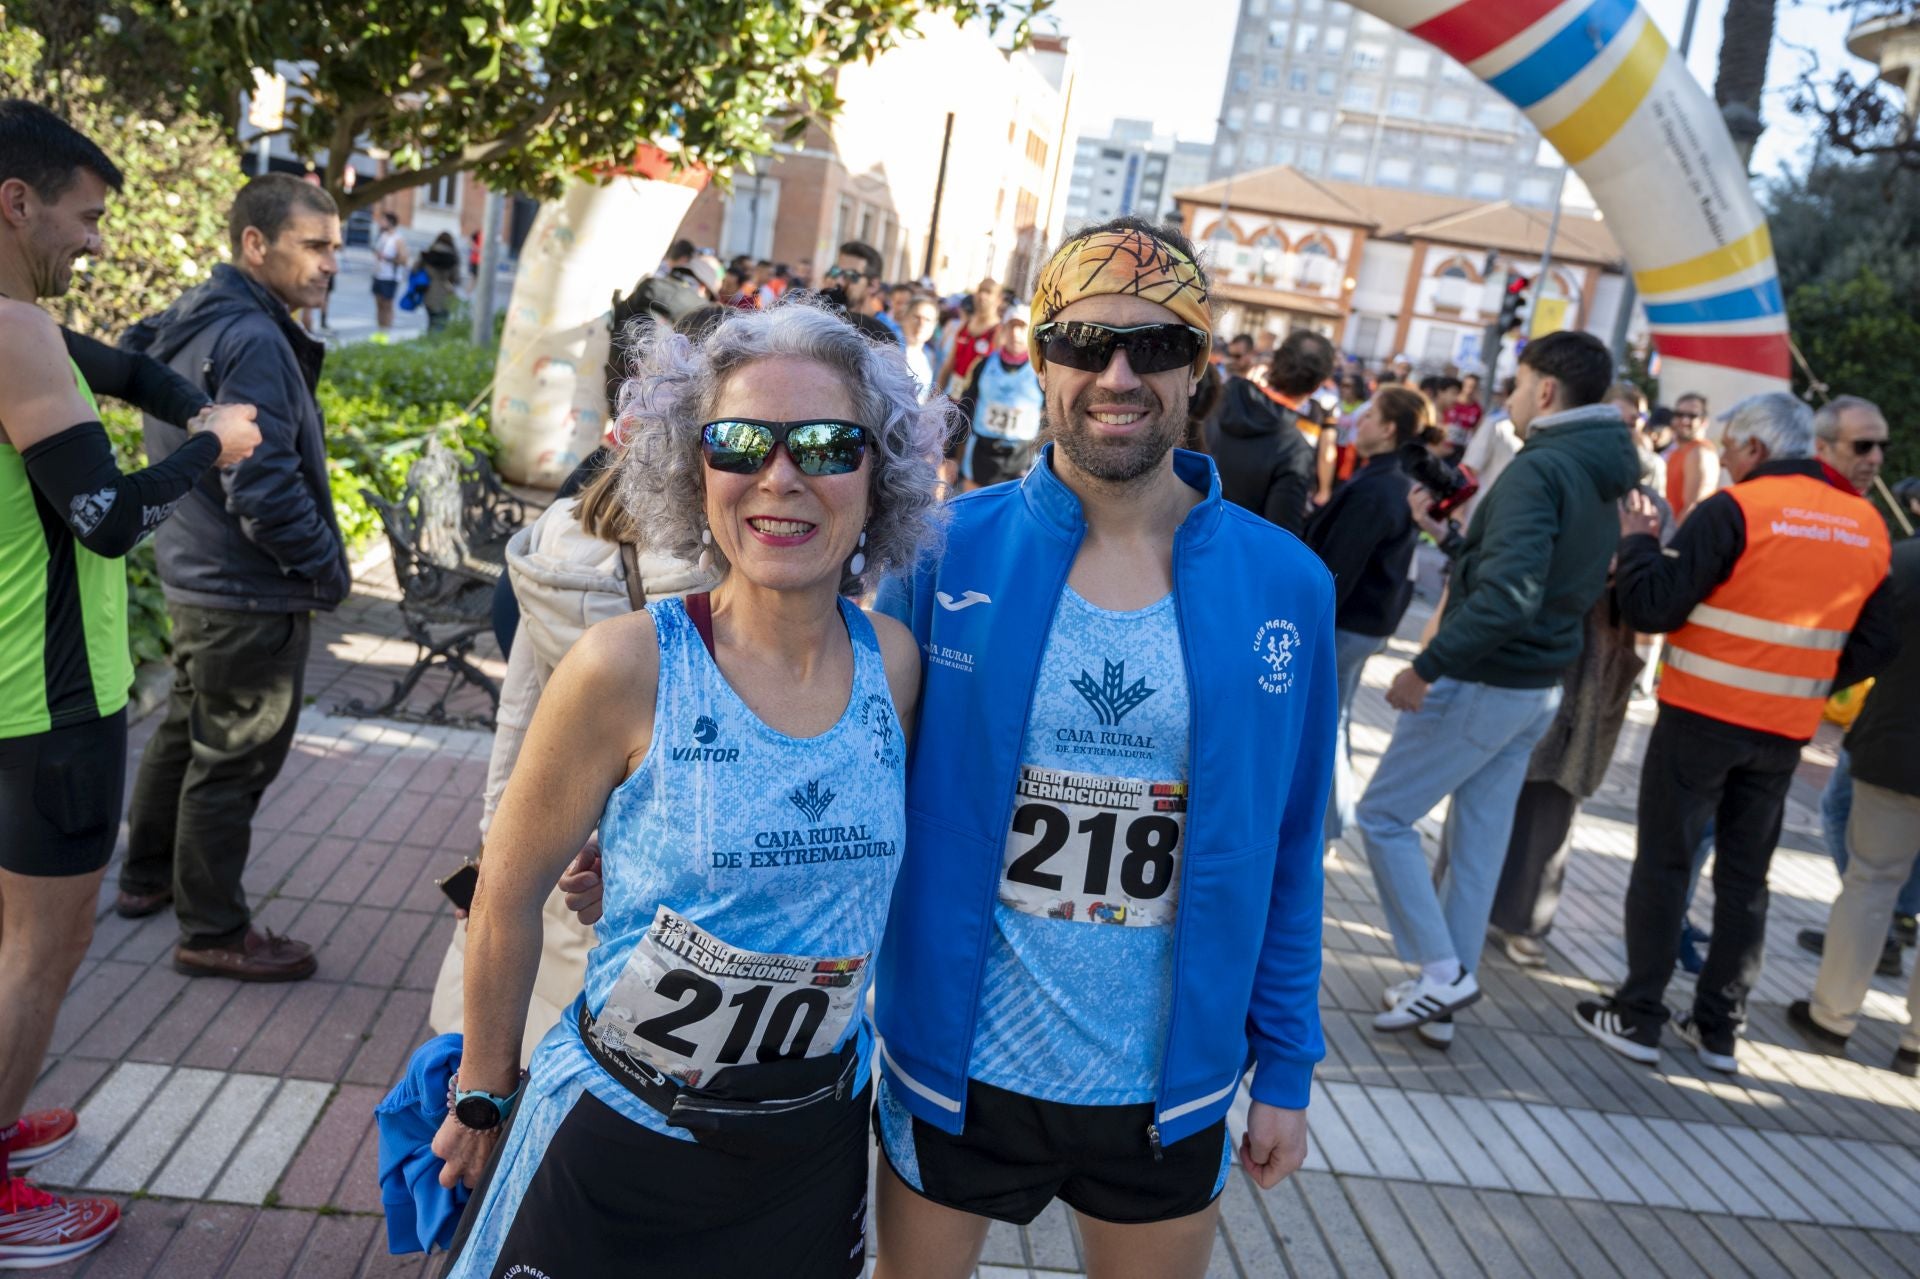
<point>60,794</point>
<point>991,461</point>
<point>1016,1155</point>
<point>611,1197</point>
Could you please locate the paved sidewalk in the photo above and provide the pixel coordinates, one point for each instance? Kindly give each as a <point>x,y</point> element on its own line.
<point>235,1121</point>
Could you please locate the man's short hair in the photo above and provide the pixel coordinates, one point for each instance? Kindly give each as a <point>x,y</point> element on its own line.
<point>866,253</point>
<point>1242,337</point>
<point>1625,393</point>
<point>44,151</point>
<point>268,201</point>
<point>1579,362</point>
<point>1302,363</point>
<point>1777,420</point>
<point>1684,396</point>
<point>1826,418</point>
<point>680,251</point>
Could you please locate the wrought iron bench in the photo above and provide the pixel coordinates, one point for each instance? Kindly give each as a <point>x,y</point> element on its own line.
<point>448,532</point>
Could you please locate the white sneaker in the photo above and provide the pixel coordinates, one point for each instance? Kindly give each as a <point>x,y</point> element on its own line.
<point>1423,999</point>
<point>1437,1033</point>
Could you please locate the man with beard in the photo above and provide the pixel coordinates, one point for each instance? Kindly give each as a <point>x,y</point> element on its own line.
<point>245,563</point>
<point>1127,732</point>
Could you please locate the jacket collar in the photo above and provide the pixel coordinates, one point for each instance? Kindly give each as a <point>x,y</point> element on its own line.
<point>310,354</point>
<point>1586,413</point>
<point>1055,505</point>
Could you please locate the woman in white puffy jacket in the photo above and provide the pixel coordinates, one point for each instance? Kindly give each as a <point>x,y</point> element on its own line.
<point>572,567</point>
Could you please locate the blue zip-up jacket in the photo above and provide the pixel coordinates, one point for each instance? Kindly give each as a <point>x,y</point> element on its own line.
<point>1255,610</point>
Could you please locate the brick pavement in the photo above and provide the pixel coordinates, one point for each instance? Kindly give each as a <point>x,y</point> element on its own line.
<point>235,1121</point>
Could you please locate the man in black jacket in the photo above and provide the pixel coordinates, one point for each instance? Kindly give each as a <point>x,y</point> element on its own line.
<point>1883,831</point>
<point>1267,464</point>
<point>246,560</point>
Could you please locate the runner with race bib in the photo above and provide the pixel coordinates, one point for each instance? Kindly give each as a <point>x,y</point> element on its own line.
<point>703,1106</point>
<point>1111,903</point>
<point>1002,405</point>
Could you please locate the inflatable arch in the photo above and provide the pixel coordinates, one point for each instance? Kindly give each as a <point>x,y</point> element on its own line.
<point>1602,85</point>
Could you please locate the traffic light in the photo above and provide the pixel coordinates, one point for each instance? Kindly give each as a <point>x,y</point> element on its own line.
<point>1513,307</point>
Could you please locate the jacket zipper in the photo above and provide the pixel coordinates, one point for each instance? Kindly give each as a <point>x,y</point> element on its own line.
<point>1186,859</point>
<point>1006,824</point>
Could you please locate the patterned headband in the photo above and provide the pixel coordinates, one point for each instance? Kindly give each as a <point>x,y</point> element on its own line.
<point>1127,263</point>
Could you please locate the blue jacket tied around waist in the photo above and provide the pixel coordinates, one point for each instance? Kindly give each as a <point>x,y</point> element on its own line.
<point>1255,611</point>
<point>421,1213</point>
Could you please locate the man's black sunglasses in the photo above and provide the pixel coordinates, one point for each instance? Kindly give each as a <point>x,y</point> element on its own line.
<point>1150,348</point>
<point>1863,447</point>
<point>821,446</point>
<point>842,273</point>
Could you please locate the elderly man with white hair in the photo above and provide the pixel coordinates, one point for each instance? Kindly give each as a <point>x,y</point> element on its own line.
<point>1772,593</point>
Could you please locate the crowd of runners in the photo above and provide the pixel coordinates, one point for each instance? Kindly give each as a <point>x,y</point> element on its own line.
<point>1017,870</point>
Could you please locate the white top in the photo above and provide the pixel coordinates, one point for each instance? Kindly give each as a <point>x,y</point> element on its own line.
<point>388,254</point>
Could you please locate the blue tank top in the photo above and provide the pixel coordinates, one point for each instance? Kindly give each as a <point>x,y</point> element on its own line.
<point>1079,977</point>
<point>1010,401</point>
<point>747,873</point>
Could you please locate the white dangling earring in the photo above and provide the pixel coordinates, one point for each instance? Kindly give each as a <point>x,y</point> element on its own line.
<point>858,564</point>
<point>706,551</point>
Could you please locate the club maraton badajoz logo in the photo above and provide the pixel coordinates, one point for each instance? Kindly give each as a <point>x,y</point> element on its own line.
<point>1276,643</point>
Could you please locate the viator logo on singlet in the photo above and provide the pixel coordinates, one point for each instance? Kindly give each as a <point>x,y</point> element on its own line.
<point>705,732</point>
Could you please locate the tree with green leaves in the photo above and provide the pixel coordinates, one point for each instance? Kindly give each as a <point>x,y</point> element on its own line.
<point>527,93</point>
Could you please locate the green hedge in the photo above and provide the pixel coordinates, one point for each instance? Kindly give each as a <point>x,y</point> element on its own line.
<point>383,403</point>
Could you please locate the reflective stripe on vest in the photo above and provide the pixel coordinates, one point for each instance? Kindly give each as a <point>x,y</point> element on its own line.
<point>1762,649</point>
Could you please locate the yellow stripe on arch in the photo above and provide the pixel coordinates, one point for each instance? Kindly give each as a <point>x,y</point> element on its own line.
<point>1601,116</point>
<point>1750,250</point>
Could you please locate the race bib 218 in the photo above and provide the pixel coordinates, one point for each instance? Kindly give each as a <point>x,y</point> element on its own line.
<point>1095,850</point>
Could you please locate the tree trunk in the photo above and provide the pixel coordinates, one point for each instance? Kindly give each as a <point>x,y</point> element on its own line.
<point>1746,37</point>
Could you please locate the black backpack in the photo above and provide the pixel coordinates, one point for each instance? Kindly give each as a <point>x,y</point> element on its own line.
<point>664,299</point>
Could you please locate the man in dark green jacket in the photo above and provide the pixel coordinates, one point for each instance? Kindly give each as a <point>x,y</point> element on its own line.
<point>1532,563</point>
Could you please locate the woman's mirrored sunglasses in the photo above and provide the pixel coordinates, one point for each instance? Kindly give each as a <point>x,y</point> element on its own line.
<point>742,445</point>
<point>1150,348</point>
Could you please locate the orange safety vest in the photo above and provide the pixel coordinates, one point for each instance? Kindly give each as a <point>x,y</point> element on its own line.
<point>1761,650</point>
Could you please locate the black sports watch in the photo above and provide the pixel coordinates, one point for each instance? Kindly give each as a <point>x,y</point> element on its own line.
<point>478,1109</point>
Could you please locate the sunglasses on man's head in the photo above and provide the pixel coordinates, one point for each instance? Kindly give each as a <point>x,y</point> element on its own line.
<point>1089,347</point>
<point>842,273</point>
<point>1863,447</point>
<point>825,446</point>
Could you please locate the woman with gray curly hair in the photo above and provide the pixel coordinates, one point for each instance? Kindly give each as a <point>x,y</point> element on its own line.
<point>703,1105</point>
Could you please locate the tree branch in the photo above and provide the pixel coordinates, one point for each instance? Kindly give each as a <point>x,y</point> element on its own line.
<point>471,157</point>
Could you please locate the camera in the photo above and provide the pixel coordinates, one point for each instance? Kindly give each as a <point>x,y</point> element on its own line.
<point>1449,483</point>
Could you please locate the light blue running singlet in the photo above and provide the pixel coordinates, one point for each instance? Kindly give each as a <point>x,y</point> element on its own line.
<point>748,876</point>
<point>1079,977</point>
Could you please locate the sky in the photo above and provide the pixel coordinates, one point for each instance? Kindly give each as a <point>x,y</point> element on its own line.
<point>1166,61</point>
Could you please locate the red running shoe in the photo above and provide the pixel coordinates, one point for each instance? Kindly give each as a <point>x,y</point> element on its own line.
<point>40,1136</point>
<point>39,1230</point>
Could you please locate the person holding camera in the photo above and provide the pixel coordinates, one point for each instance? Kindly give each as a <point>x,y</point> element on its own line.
<point>1366,536</point>
<point>1263,437</point>
<point>1480,695</point>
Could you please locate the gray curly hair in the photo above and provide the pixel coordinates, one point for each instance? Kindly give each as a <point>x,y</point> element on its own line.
<point>675,389</point>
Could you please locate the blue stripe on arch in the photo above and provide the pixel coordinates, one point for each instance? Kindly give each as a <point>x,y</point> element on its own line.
<point>1753,303</point>
<point>1564,56</point>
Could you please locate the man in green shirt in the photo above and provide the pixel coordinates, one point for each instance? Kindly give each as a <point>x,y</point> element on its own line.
<point>67,516</point>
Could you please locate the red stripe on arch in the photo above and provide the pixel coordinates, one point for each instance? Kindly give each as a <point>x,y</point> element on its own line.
<point>1763,353</point>
<point>1478,27</point>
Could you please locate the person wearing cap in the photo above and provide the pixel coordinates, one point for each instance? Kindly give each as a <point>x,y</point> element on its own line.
<point>1000,409</point>
<point>1112,903</point>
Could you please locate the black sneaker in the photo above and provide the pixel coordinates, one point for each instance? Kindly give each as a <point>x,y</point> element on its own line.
<point>1636,1042</point>
<point>1818,1037</point>
<point>1713,1047</point>
<point>1906,929</point>
<point>1812,939</point>
<point>1906,1061</point>
<point>1889,965</point>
